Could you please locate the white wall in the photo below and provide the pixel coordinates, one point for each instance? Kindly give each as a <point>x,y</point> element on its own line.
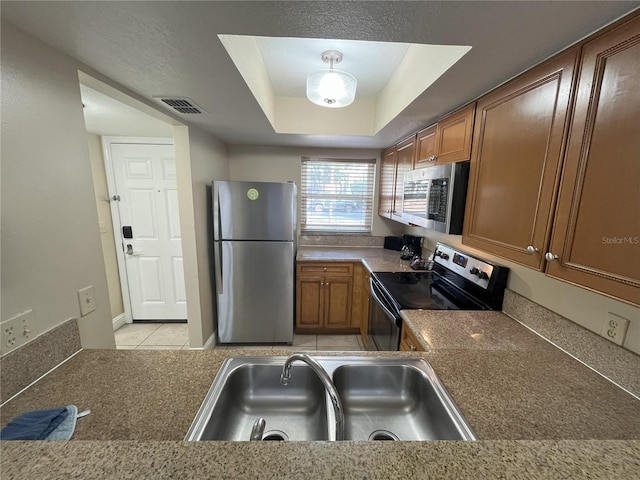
<point>281,164</point>
<point>106,225</point>
<point>50,238</point>
<point>579,305</point>
<point>208,162</point>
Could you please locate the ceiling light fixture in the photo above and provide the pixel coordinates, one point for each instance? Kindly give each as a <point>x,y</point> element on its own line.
<point>331,88</point>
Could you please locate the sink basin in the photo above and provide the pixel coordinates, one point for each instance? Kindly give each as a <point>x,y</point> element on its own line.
<point>250,391</point>
<point>383,398</point>
<point>395,402</point>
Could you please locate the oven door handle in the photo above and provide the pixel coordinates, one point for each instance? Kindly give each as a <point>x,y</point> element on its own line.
<point>379,301</point>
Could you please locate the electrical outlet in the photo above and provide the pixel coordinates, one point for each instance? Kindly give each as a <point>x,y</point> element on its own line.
<point>615,328</point>
<point>87,300</point>
<point>17,331</point>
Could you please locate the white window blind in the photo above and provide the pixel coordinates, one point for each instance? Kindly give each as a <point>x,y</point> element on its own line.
<point>337,195</point>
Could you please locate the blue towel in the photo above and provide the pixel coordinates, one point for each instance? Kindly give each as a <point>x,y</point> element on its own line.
<point>34,425</point>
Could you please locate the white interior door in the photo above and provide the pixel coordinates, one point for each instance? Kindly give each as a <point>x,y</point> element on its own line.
<point>145,181</point>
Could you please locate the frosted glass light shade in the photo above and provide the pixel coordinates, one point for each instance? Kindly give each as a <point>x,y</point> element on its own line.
<point>331,88</point>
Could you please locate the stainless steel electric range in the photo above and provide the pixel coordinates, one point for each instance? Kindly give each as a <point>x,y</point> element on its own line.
<point>457,281</point>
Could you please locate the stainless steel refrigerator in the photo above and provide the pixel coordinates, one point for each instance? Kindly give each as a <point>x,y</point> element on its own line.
<point>254,246</point>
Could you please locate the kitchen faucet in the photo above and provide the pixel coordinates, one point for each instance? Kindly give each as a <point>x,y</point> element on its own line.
<point>326,381</point>
<point>258,430</point>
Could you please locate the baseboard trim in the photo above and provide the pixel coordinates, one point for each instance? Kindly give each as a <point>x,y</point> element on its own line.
<point>208,345</point>
<point>119,321</point>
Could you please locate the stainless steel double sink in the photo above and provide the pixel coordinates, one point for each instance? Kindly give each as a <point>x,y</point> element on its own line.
<point>383,399</point>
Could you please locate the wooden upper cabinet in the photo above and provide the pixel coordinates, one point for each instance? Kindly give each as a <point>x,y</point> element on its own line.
<point>406,152</point>
<point>454,136</point>
<point>426,147</point>
<point>447,141</point>
<point>515,165</point>
<point>387,183</point>
<point>597,226</point>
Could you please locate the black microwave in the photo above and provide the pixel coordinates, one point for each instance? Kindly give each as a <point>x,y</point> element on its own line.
<point>435,197</point>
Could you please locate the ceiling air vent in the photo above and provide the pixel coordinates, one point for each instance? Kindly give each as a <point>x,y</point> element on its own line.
<point>182,104</point>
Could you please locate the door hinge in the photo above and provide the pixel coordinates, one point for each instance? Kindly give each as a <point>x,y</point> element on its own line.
<point>116,198</point>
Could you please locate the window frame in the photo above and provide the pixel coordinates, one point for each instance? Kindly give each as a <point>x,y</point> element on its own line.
<point>327,199</point>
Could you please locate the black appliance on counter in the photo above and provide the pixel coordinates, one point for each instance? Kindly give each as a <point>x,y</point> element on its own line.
<point>411,246</point>
<point>458,281</point>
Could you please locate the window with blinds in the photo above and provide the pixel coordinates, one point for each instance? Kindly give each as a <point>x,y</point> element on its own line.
<point>337,195</point>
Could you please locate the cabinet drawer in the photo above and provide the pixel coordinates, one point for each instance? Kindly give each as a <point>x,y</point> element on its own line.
<point>408,341</point>
<point>337,268</point>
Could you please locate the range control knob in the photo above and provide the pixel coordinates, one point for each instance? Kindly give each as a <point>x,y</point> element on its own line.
<point>483,275</point>
<point>442,255</point>
<point>474,271</point>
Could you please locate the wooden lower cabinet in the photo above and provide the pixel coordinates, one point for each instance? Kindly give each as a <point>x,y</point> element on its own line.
<point>324,296</point>
<point>408,342</point>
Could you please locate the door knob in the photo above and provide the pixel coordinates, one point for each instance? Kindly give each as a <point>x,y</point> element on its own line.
<point>129,249</point>
<point>531,249</point>
<point>550,256</point>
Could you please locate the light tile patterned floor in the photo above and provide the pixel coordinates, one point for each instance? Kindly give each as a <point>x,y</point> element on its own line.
<point>309,343</point>
<point>152,336</point>
<point>174,336</point>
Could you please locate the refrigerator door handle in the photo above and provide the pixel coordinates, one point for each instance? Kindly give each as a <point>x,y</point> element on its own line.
<point>216,212</point>
<point>217,244</point>
<point>217,266</point>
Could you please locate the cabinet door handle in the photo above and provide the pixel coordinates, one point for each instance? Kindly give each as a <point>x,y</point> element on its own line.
<point>550,256</point>
<point>412,348</point>
<point>531,249</point>
<point>324,269</point>
<point>322,284</point>
<point>326,284</point>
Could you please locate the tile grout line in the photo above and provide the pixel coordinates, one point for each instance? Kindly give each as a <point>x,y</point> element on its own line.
<point>144,337</point>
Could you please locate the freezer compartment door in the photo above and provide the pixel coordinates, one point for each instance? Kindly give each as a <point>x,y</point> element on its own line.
<point>255,292</point>
<point>254,211</point>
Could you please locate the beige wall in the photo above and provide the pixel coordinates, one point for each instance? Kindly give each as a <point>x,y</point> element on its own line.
<point>51,244</point>
<point>281,164</point>
<point>105,224</point>
<point>579,305</point>
<point>208,162</point>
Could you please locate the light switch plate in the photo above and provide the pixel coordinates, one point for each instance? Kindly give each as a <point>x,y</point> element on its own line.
<point>87,300</point>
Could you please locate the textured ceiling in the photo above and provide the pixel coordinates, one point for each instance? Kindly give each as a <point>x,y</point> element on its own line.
<point>172,48</point>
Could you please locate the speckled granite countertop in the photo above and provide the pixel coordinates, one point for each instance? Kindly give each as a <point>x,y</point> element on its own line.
<point>375,258</point>
<point>538,413</point>
<point>147,400</point>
